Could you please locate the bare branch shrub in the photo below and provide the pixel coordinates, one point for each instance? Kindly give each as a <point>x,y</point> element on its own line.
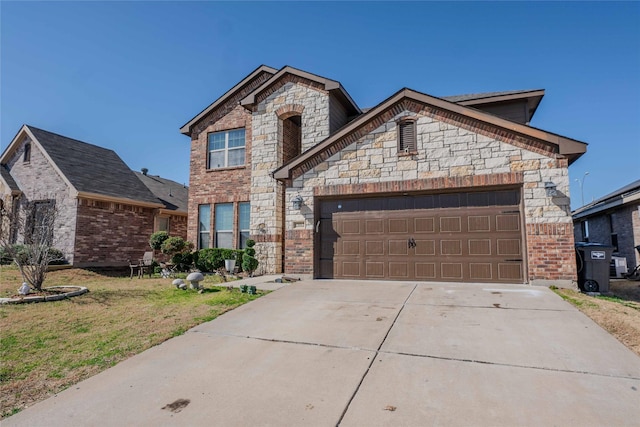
<point>28,239</point>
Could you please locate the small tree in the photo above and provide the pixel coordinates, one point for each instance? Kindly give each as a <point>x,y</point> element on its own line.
<point>36,227</point>
<point>249,263</point>
<point>180,252</point>
<point>157,239</point>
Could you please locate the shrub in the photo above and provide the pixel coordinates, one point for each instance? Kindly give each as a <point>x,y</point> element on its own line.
<point>183,260</point>
<point>209,259</point>
<point>157,239</point>
<point>56,257</point>
<point>249,263</point>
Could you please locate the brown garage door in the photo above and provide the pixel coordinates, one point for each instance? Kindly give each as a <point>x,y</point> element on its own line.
<point>467,237</point>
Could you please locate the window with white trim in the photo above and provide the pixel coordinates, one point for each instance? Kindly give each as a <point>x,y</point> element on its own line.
<point>244,211</point>
<point>226,149</point>
<point>224,225</point>
<point>204,224</point>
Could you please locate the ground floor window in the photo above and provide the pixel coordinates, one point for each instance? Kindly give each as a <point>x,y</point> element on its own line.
<point>244,211</point>
<point>162,223</point>
<point>204,224</point>
<point>224,225</point>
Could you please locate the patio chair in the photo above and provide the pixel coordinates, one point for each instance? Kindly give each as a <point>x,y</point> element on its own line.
<point>146,264</point>
<point>134,267</point>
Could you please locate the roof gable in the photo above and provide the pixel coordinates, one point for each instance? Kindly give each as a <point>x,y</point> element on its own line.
<point>88,169</point>
<point>260,74</point>
<point>410,99</point>
<point>329,85</point>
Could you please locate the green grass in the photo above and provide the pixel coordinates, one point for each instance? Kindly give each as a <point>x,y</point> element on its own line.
<point>46,347</point>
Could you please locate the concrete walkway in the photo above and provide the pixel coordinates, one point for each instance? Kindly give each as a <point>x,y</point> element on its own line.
<point>348,353</point>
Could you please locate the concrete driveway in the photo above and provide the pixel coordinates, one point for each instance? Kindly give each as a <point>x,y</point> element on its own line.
<point>352,353</point>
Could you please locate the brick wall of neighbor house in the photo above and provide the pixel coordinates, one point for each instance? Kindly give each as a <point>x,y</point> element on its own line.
<point>452,153</point>
<point>625,222</point>
<point>109,234</point>
<point>267,201</point>
<point>178,226</point>
<point>38,180</point>
<point>227,185</point>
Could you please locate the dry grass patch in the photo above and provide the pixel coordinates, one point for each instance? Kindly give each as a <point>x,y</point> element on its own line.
<point>618,313</point>
<point>46,347</point>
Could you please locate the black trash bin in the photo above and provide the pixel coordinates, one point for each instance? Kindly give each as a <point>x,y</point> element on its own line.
<point>593,261</point>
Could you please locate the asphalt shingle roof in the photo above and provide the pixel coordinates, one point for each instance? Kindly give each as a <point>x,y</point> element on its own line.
<point>173,195</point>
<point>93,169</point>
<point>8,178</point>
<point>470,96</point>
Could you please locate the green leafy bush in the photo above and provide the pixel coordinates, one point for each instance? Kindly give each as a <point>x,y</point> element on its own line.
<point>249,263</point>
<point>157,239</point>
<point>56,257</point>
<point>212,259</point>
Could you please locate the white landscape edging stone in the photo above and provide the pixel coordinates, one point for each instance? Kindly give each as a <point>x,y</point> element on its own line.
<point>79,290</point>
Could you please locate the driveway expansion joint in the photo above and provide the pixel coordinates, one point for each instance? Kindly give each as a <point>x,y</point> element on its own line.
<point>506,365</point>
<point>366,372</point>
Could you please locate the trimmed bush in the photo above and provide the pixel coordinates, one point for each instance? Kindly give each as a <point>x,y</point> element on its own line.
<point>157,239</point>
<point>249,263</point>
<point>212,259</point>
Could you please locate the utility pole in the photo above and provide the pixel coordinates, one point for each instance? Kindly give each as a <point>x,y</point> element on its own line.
<point>581,182</point>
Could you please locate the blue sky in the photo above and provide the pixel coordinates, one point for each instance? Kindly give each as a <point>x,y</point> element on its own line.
<point>127,75</point>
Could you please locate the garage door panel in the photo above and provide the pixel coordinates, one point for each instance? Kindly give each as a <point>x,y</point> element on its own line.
<point>351,226</point>
<point>374,269</point>
<point>399,226</point>
<point>479,223</point>
<point>508,222</point>
<point>398,247</point>
<point>399,270</point>
<point>425,270</point>
<point>450,224</point>
<point>350,268</point>
<point>425,247</point>
<point>509,247</point>
<point>450,270</point>
<point>479,247</point>
<point>374,226</point>
<point>424,225</point>
<point>450,247</point>
<point>480,271</point>
<point>399,240</point>
<point>351,247</point>
<point>510,271</point>
<point>374,247</point>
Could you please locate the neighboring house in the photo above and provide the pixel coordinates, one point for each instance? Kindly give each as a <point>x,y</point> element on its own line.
<point>415,188</point>
<point>105,211</point>
<point>612,220</point>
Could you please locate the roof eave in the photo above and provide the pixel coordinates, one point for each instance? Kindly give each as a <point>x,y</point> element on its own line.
<point>114,199</point>
<point>572,149</point>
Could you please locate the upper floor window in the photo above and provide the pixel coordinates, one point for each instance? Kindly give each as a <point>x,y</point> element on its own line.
<point>226,149</point>
<point>27,153</point>
<point>407,139</point>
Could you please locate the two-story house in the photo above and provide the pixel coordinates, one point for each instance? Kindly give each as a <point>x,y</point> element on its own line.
<point>415,188</point>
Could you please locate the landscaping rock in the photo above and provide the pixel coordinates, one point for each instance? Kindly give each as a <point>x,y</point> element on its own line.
<point>195,279</point>
<point>177,283</point>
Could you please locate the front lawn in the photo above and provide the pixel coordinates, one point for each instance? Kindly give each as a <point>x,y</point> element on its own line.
<point>618,313</point>
<point>46,347</point>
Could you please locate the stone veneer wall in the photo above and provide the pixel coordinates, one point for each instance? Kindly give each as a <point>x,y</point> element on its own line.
<point>38,180</point>
<point>447,149</point>
<point>312,102</point>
